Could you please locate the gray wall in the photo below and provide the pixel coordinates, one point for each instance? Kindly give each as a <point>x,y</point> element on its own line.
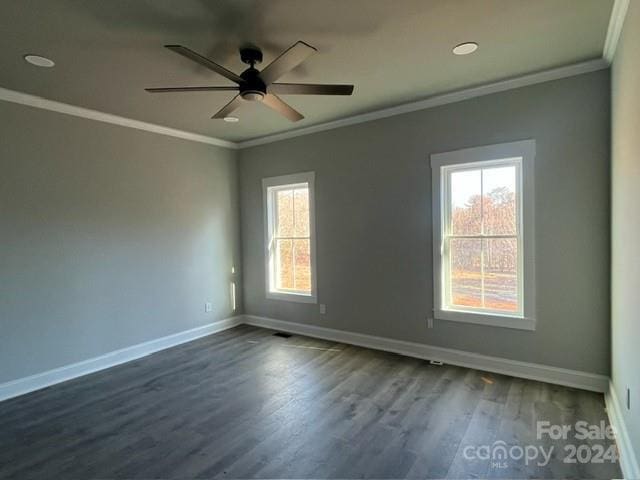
<point>110,237</point>
<point>625,222</point>
<point>373,203</point>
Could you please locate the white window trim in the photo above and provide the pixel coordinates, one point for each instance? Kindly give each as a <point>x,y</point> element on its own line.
<point>286,180</point>
<point>526,150</point>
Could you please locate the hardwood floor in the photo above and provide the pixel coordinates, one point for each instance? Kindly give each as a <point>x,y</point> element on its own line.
<point>246,404</point>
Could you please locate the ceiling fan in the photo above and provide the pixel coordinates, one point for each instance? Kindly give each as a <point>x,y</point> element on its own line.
<point>259,85</point>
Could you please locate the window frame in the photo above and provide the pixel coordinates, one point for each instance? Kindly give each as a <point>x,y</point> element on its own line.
<point>270,186</point>
<point>442,164</point>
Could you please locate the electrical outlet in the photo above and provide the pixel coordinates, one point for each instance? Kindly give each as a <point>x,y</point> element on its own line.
<point>208,307</point>
<point>429,322</point>
<point>323,309</point>
<point>628,399</point>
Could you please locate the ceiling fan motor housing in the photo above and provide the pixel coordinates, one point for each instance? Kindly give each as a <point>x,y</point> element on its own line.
<point>253,88</point>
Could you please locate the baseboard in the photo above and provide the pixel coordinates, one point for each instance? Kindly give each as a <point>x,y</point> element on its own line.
<point>628,461</point>
<point>24,385</point>
<point>532,371</point>
<point>544,373</point>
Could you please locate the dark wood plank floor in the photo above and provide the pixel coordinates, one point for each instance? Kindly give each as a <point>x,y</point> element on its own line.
<point>246,404</point>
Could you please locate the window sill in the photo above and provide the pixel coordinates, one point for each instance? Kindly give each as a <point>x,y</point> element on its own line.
<point>492,320</point>
<point>292,297</point>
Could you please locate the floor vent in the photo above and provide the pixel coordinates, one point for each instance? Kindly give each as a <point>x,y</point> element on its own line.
<point>282,335</point>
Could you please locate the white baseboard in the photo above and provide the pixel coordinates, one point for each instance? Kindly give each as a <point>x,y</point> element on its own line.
<point>628,461</point>
<point>24,385</point>
<point>532,371</point>
<point>544,373</point>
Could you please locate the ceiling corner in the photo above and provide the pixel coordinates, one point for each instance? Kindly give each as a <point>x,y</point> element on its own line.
<point>614,30</point>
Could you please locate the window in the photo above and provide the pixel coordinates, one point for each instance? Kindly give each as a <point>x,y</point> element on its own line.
<point>483,235</point>
<point>290,237</point>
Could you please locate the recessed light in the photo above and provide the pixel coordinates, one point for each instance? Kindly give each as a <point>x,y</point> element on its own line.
<point>465,48</point>
<point>231,119</point>
<point>39,61</point>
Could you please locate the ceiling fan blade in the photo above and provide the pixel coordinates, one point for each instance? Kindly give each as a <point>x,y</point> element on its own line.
<point>190,89</point>
<point>309,89</point>
<point>229,107</point>
<point>288,60</point>
<point>204,61</point>
<point>277,104</point>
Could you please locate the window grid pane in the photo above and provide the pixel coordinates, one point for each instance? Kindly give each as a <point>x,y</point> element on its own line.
<point>284,264</point>
<point>301,212</point>
<point>465,280</point>
<point>466,202</point>
<point>302,265</point>
<point>500,274</point>
<point>483,269</point>
<point>499,214</point>
<point>284,213</point>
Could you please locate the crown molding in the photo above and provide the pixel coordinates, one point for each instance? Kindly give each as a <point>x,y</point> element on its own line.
<point>430,102</point>
<point>46,104</point>
<point>438,100</point>
<point>616,21</point>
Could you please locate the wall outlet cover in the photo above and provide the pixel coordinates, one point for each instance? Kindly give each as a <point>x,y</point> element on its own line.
<point>208,307</point>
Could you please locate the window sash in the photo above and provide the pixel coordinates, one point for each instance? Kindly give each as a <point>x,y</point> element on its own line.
<point>274,237</point>
<point>278,264</point>
<point>274,199</point>
<point>447,236</point>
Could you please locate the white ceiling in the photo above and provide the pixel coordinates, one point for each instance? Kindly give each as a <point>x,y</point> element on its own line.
<point>394,51</point>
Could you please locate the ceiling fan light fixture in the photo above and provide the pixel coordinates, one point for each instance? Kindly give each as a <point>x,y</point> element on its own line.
<point>231,119</point>
<point>39,61</point>
<point>252,95</point>
<point>465,48</point>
